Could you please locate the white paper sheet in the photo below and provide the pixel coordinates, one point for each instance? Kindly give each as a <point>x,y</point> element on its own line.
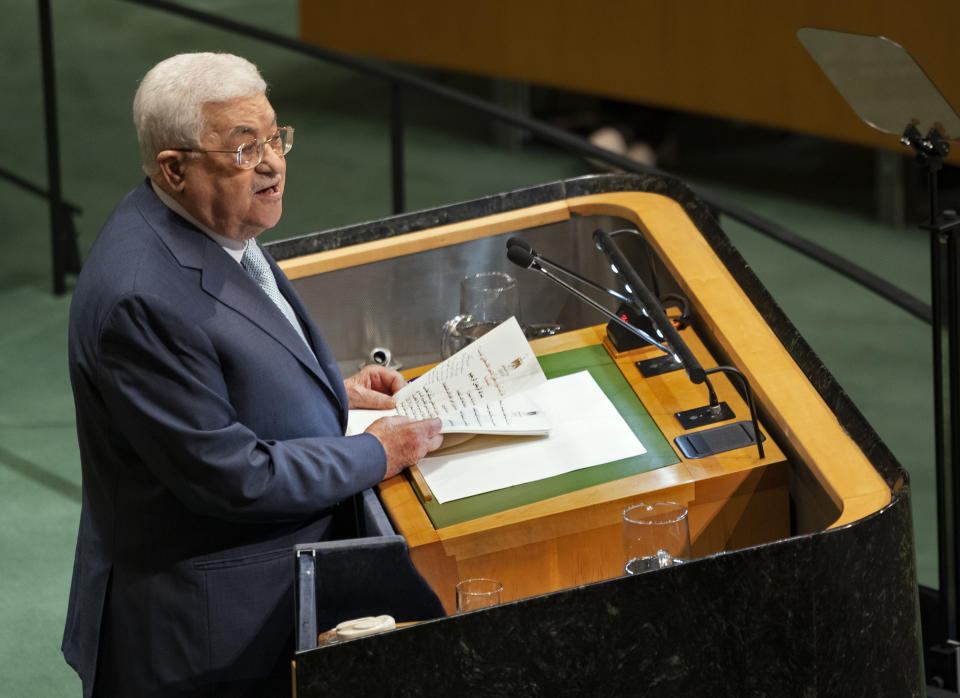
<point>586,430</point>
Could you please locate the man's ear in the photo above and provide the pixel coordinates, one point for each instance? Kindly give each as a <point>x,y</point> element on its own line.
<point>172,168</point>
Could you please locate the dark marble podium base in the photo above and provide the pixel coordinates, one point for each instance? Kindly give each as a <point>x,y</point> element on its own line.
<point>829,614</point>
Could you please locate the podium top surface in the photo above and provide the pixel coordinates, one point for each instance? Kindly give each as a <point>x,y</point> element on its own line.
<point>584,498</point>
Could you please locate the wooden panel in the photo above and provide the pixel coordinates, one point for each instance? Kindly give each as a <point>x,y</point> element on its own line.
<point>410,243</point>
<point>738,59</point>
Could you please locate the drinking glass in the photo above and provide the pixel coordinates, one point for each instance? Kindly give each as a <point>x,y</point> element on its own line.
<point>477,593</point>
<point>655,536</point>
<point>486,300</point>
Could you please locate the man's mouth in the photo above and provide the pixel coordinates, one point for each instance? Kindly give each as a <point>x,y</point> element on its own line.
<point>272,190</point>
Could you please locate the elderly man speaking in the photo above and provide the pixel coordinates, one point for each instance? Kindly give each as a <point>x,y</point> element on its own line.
<point>210,411</point>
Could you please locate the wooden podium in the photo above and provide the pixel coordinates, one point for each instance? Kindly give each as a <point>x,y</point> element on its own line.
<point>792,539</point>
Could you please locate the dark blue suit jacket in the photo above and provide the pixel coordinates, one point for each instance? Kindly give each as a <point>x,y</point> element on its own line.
<point>211,441</point>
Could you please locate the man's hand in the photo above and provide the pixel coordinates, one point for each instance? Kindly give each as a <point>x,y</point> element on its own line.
<point>405,440</point>
<point>371,388</point>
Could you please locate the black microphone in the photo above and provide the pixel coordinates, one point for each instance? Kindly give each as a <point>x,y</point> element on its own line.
<point>523,244</point>
<point>651,268</point>
<point>522,255</point>
<point>517,242</point>
<point>642,296</point>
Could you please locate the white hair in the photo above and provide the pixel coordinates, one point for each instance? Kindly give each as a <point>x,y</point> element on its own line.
<point>168,106</point>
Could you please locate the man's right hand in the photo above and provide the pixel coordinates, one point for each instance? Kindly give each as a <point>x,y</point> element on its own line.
<point>405,441</point>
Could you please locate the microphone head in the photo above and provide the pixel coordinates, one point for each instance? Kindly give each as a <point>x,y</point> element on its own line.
<point>598,239</point>
<point>696,374</point>
<point>520,256</point>
<point>517,242</point>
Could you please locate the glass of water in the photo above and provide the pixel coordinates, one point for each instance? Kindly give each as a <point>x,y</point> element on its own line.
<point>478,593</point>
<point>654,536</point>
<point>486,300</point>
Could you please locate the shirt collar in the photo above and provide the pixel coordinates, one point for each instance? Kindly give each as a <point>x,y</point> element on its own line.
<point>233,248</point>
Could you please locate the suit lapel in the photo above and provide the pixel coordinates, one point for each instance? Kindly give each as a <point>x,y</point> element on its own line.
<point>227,282</point>
<point>323,354</point>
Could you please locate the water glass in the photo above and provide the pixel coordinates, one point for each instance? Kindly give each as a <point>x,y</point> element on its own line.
<point>477,593</point>
<point>486,300</point>
<point>655,536</point>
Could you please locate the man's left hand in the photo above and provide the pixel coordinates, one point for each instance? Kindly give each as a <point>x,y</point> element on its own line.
<point>372,387</point>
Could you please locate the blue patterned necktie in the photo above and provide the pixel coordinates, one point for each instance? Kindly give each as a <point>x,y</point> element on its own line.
<point>258,268</point>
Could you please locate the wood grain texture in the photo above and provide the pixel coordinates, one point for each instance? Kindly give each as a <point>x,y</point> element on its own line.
<point>411,243</point>
<point>739,60</point>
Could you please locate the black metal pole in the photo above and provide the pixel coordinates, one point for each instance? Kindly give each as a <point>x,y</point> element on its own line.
<point>943,660</point>
<point>57,230</point>
<point>940,253</point>
<point>951,420</point>
<point>396,146</point>
<point>945,306</point>
<point>934,198</point>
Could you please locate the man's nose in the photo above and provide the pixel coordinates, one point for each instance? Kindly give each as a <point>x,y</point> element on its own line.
<point>272,161</point>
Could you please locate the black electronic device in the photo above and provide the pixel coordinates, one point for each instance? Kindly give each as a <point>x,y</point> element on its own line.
<point>665,330</point>
<point>621,338</point>
<point>701,416</point>
<point>658,365</point>
<point>708,442</point>
<point>642,297</point>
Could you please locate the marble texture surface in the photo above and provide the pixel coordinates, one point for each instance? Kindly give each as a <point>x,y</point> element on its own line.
<point>828,614</point>
<point>822,614</point>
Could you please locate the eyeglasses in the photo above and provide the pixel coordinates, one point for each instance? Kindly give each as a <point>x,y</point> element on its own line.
<point>250,154</point>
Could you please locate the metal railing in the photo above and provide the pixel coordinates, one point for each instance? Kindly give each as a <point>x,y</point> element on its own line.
<point>63,232</point>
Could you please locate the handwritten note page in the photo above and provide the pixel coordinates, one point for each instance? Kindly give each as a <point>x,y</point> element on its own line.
<point>517,414</point>
<point>477,390</point>
<point>498,364</point>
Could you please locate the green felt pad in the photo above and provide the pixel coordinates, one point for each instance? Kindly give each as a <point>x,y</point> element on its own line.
<point>607,375</point>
